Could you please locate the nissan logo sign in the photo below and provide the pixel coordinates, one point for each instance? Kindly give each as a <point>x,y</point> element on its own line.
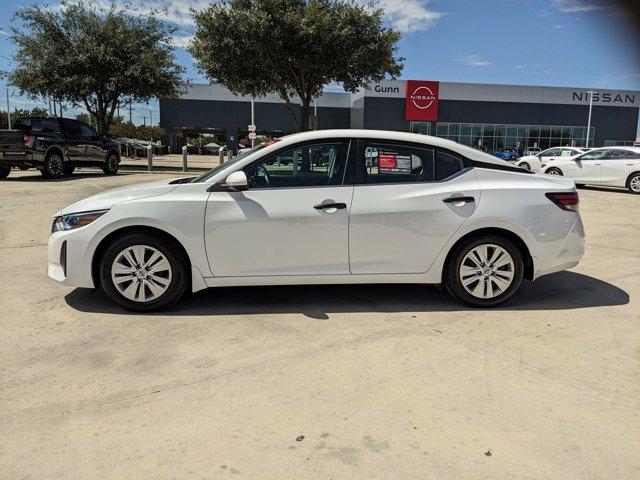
<point>423,97</point>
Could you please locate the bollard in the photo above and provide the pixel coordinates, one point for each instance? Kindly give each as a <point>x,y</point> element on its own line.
<point>184,158</point>
<point>150,158</point>
<point>230,156</point>
<point>221,152</point>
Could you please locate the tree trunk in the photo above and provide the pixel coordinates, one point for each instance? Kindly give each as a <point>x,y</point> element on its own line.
<point>305,115</point>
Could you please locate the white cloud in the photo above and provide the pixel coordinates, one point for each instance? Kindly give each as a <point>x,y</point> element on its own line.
<point>473,60</point>
<point>410,15</point>
<point>535,69</point>
<point>575,6</point>
<point>182,41</point>
<point>404,15</point>
<point>557,26</point>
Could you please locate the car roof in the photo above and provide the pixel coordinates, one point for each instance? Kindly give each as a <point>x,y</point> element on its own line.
<point>468,152</point>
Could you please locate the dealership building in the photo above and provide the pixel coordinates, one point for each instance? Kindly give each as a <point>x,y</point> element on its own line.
<point>487,116</point>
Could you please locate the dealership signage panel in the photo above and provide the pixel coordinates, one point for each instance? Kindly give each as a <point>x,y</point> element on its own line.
<point>421,100</point>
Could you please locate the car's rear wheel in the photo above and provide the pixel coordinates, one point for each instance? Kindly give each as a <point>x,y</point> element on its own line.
<point>53,166</point>
<point>484,271</point>
<point>142,272</point>
<point>554,171</point>
<point>525,166</point>
<point>111,164</point>
<point>633,183</point>
<point>4,171</point>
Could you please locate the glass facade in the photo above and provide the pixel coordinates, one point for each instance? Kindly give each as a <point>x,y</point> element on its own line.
<point>492,136</point>
<point>618,143</point>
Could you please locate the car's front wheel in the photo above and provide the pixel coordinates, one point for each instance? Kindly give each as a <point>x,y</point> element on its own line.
<point>484,271</point>
<point>143,272</point>
<point>525,166</point>
<point>554,171</point>
<point>633,183</point>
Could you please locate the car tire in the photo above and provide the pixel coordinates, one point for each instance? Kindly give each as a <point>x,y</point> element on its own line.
<point>68,169</point>
<point>111,164</point>
<point>53,166</point>
<point>139,287</point>
<point>488,281</point>
<point>554,171</point>
<point>4,171</point>
<point>633,183</point>
<point>525,166</point>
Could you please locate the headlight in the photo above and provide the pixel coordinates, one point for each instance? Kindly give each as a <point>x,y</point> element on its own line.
<point>75,220</point>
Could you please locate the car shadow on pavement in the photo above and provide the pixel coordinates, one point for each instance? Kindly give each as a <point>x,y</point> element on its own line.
<point>37,177</point>
<point>560,291</point>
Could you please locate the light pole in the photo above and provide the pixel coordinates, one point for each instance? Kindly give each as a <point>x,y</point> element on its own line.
<point>151,123</point>
<point>8,109</point>
<point>253,121</point>
<point>591,93</point>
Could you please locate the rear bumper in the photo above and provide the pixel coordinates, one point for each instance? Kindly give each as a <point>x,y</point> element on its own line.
<point>16,159</point>
<point>561,241</point>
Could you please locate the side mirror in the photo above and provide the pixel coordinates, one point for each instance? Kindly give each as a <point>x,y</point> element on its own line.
<point>237,181</point>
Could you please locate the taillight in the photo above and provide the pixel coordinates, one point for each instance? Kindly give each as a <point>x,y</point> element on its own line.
<point>565,200</point>
<point>29,140</point>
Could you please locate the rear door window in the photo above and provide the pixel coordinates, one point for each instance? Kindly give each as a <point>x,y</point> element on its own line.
<point>392,163</point>
<point>71,128</point>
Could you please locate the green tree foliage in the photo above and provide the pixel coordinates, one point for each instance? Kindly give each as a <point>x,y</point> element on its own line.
<point>21,112</point>
<point>93,57</point>
<point>139,132</point>
<point>294,48</point>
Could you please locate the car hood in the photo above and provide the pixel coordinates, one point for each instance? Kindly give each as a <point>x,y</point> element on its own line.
<point>110,198</point>
<point>527,157</point>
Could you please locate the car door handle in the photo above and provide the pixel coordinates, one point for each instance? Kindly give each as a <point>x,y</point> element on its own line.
<point>322,206</point>
<point>459,200</point>
<point>629,164</point>
<point>597,163</point>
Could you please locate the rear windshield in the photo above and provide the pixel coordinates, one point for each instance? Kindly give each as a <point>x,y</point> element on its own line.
<point>45,125</point>
<point>22,124</point>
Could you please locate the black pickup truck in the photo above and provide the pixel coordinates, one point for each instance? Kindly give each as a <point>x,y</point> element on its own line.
<point>55,146</point>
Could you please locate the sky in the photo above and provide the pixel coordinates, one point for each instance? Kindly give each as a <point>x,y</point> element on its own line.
<point>573,43</point>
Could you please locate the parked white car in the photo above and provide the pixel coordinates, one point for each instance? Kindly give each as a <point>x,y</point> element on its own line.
<point>608,166</point>
<point>381,207</point>
<point>531,151</point>
<point>535,163</point>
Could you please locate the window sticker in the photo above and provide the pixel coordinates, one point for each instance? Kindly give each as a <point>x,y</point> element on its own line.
<point>392,162</point>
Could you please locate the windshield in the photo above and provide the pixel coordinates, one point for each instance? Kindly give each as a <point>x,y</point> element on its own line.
<point>205,176</point>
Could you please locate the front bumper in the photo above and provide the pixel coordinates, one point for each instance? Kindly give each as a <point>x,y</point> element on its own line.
<point>68,259</point>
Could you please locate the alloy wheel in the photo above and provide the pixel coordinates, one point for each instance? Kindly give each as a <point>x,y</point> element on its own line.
<point>634,184</point>
<point>141,273</point>
<point>487,271</point>
<point>55,166</point>
<point>553,171</point>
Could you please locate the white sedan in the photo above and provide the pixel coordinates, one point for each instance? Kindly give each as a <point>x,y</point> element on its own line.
<point>609,166</point>
<point>535,163</point>
<point>381,207</point>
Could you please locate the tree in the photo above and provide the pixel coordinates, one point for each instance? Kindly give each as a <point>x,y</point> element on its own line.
<point>20,112</point>
<point>93,57</point>
<point>294,48</point>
